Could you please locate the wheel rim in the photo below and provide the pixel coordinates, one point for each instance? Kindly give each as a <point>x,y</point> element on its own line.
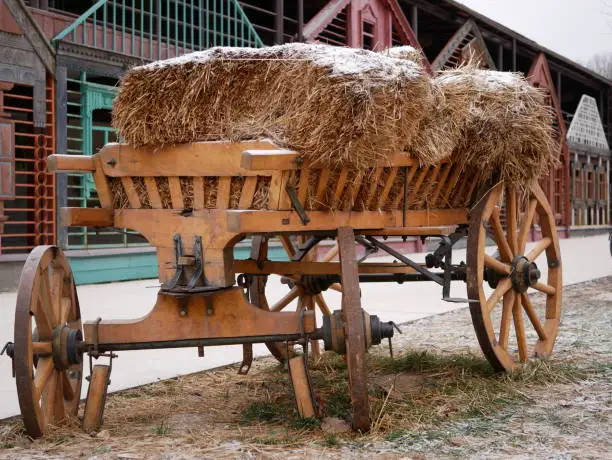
<point>510,268</point>
<point>297,294</point>
<point>47,318</point>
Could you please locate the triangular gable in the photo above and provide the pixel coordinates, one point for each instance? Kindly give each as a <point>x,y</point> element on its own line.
<point>32,32</point>
<point>540,77</point>
<point>586,128</point>
<point>467,43</point>
<point>340,23</point>
<point>7,22</point>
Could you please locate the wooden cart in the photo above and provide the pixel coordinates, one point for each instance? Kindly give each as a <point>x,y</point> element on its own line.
<point>194,202</point>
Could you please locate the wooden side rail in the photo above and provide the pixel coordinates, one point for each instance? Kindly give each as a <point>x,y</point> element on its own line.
<point>76,163</point>
<point>279,159</point>
<point>87,217</point>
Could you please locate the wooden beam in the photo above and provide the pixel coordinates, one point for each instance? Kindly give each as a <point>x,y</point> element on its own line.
<point>76,163</point>
<point>268,267</point>
<point>193,159</point>
<point>87,217</point>
<point>248,221</point>
<point>278,159</point>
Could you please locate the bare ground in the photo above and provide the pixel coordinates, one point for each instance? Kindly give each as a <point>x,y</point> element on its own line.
<point>437,399</point>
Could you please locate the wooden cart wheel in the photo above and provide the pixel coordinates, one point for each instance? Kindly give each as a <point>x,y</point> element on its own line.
<point>297,291</point>
<point>48,358</point>
<point>510,270</point>
<point>354,331</point>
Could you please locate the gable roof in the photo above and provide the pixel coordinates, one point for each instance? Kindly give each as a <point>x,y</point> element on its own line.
<point>467,39</point>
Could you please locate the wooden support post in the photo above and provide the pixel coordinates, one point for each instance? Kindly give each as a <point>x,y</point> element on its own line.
<point>415,20</point>
<point>514,51</point>
<point>354,331</point>
<point>279,22</point>
<point>500,57</point>
<point>300,19</point>
<point>61,145</point>
<point>301,387</point>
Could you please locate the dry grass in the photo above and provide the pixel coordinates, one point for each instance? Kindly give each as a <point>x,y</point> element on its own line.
<point>339,107</point>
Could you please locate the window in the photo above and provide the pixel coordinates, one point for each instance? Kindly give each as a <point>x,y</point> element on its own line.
<point>368,35</point>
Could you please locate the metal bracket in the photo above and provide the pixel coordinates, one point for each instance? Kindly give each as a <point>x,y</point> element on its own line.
<point>183,261</point>
<point>302,250</point>
<point>295,202</point>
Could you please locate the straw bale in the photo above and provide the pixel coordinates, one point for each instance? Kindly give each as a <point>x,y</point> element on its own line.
<point>493,122</point>
<point>339,107</point>
<point>508,131</point>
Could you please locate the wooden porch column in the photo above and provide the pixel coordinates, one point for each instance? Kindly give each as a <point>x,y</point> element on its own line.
<point>61,145</point>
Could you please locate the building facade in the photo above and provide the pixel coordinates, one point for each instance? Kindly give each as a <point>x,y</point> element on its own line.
<point>61,60</point>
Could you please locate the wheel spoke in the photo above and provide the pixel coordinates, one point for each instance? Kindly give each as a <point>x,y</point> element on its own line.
<point>540,247</point>
<point>329,255</point>
<point>506,318</point>
<point>43,372</point>
<point>496,265</point>
<point>67,389</point>
<point>320,301</point>
<point>41,348</point>
<point>526,225</point>
<point>49,398</point>
<point>46,301</point>
<point>65,310</point>
<point>288,298</point>
<point>500,238</point>
<point>545,288</point>
<point>502,287</point>
<point>511,220</point>
<point>57,277</point>
<point>59,408</point>
<point>519,327</point>
<point>533,316</point>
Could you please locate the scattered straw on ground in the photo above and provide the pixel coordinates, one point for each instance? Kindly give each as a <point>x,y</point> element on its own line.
<point>439,400</point>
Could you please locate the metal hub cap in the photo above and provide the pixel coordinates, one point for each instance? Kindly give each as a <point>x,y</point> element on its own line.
<point>524,274</point>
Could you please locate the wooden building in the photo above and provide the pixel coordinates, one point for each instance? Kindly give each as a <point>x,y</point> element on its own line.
<point>60,61</point>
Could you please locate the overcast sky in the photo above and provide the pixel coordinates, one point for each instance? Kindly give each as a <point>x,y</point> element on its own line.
<point>576,29</point>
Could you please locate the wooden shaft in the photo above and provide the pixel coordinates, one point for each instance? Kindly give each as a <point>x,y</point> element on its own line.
<point>96,397</point>
<point>301,387</point>
<point>77,163</point>
<point>87,217</point>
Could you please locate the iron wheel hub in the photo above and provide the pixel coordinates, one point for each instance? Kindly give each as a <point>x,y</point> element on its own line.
<point>524,274</point>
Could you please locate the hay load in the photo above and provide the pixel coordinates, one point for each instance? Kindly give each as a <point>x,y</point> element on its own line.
<point>339,107</point>
<point>494,122</point>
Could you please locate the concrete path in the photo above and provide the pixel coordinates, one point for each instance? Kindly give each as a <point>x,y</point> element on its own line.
<point>583,259</point>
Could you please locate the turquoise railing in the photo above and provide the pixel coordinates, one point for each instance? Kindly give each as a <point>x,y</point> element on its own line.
<point>160,29</point>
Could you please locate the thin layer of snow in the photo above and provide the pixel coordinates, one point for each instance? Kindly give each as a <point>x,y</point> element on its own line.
<point>487,79</point>
<point>340,61</point>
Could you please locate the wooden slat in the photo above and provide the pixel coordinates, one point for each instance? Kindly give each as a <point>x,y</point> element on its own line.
<point>248,189</point>
<point>303,185</point>
<point>417,185</point>
<point>94,217</point>
<point>285,202</point>
<point>352,193</point>
<point>400,195</point>
<point>193,159</point>
<point>340,183</point>
<point>102,188</point>
<point>382,199</point>
<point>429,183</point>
<point>441,183</point>
<point>176,194</point>
<point>322,187</point>
<point>223,192</point>
<point>451,183</point>
<point>373,186</point>
<point>276,181</point>
<point>154,198</point>
<point>130,191</point>
<point>198,193</point>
